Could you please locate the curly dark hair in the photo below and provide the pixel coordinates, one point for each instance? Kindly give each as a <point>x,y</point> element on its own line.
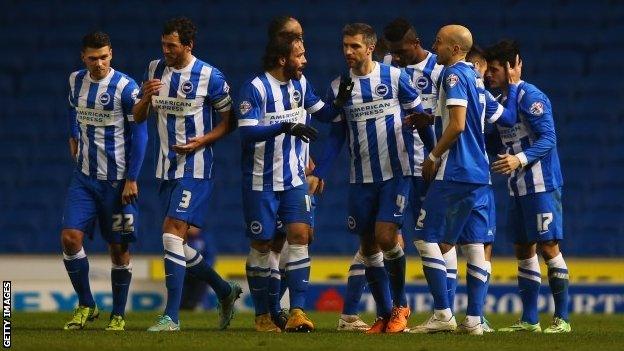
<point>277,24</point>
<point>398,29</point>
<point>503,51</point>
<point>279,46</point>
<point>95,40</point>
<point>185,28</point>
<point>475,51</point>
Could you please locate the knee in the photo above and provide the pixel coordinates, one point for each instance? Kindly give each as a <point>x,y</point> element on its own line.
<point>524,252</point>
<point>71,240</point>
<point>176,227</point>
<point>549,249</point>
<point>386,236</point>
<point>262,246</point>
<point>298,234</point>
<point>120,255</point>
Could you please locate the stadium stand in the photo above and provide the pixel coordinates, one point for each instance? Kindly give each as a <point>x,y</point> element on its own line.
<point>572,51</point>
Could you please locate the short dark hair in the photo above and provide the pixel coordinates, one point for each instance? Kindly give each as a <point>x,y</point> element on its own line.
<point>503,51</point>
<point>277,24</point>
<point>281,45</point>
<point>95,40</point>
<point>398,29</point>
<point>475,51</point>
<point>185,28</point>
<point>367,32</point>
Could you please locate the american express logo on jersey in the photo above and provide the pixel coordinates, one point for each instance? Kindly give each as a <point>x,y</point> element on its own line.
<point>94,117</point>
<point>291,116</point>
<point>372,110</point>
<point>176,106</point>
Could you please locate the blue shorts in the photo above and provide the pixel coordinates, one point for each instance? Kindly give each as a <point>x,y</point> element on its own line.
<point>89,199</point>
<point>491,234</point>
<point>262,209</point>
<point>280,228</point>
<point>377,202</point>
<point>417,195</point>
<point>536,217</point>
<point>186,199</point>
<point>455,212</point>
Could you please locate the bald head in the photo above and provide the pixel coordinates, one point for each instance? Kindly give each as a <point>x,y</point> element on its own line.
<point>452,44</point>
<point>458,35</point>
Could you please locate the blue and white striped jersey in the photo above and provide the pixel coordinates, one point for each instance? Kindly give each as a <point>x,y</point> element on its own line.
<point>186,107</point>
<point>533,141</point>
<point>373,115</point>
<point>101,114</point>
<point>279,163</point>
<point>466,161</point>
<point>425,76</point>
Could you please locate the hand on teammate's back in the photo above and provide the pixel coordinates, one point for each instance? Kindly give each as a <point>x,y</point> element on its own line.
<point>506,164</point>
<point>301,131</point>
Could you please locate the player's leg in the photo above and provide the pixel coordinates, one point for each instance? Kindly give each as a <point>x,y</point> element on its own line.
<point>260,210</point>
<point>227,292</point>
<point>487,247</point>
<point>121,275</point>
<point>558,280</point>
<point>277,279</point>
<point>549,214</point>
<point>194,289</point>
<point>78,217</point>
<point>393,201</point>
<point>295,211</point>
<point>529,274</point>
<point>349,319</point>
<point>428,234</point>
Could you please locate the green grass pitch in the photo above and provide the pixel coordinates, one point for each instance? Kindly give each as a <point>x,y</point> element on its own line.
<point>43,331</point>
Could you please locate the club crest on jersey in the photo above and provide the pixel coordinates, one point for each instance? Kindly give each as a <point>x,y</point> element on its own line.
<point>452,79</point>
<point>187,87</point>
<point>422,83</point>
<point>104,98</point>
<point>226,88</point>
<point>296,96</point>
<point>244,107</point>
<point>381,90</point>
<point>351,222</point>
<point>255,227</point>
<point>537,108</point>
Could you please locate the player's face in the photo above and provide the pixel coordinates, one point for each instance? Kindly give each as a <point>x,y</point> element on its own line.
<point>97,61</point>
<point>495,75</point>
<point>443,49</point>
<point>403,52</point>
<point>293,68</point>
<point>355,50</point>
<point>175,52</point>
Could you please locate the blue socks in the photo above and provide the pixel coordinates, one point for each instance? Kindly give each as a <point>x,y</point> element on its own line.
<point>175,268</point>
<point>77,267</point>
<point>197,266</point>
<point>394,261</point>
<point>355,285</point>
<point>275,284</point>
<point>529,280</point>
<point>297,274</point>
<point>476,279</point>
<point>450,262</point>
<point>558,280</point>
<point>378,283</point>
<point>258,272</point>
<point>434,269</point>
<point>120,279</point>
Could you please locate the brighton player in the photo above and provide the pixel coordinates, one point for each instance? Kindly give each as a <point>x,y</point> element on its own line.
<point>108,147</point>
<point>371,117</point>
<point>457,203</point>
<point>274,108</point>
<point>535,183</point>
<point>184,92</point>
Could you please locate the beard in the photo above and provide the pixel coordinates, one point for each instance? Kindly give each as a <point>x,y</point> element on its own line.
<point>292,72</point>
